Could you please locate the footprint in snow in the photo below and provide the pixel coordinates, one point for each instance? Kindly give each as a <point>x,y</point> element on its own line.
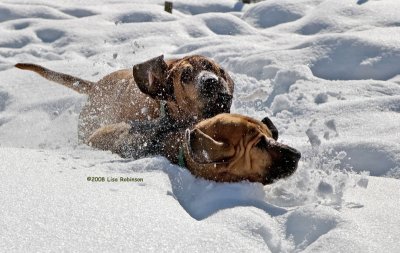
<point>49,35</point>
<point>78,13</point>
<point>305,225</point>
<point>20,26</point>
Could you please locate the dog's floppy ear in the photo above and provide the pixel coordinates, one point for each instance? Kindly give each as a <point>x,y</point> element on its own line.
<point>271,127</point>
<point>203,149</point>
<point>151,78</point>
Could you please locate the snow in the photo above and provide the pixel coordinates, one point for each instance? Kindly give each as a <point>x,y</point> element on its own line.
<point>326,72</point>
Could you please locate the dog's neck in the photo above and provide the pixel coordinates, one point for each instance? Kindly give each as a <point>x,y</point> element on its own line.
<point>164,132</point>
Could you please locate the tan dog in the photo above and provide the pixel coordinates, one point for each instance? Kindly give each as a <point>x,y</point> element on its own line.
<point>231,147</point>
<point>194,87</point>
<point>224,148</point>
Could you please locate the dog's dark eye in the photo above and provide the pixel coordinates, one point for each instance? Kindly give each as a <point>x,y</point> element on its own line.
<point>207,66</point>
<point>186,75</point>
<point>223,73</point>
<point>262,144</point>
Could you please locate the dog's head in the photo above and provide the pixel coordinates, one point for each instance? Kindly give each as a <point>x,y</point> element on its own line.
<point>194,86</point>
<point>230,147</point>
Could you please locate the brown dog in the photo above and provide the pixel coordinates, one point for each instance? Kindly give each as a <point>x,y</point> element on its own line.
<point>231,147</point>
<point>194,87</point>
<point>224,148</point>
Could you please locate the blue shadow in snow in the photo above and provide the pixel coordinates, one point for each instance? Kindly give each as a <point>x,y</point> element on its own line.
<point>360,2</point>
<point>202,198</point>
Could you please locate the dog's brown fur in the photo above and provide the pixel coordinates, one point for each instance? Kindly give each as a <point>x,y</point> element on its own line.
<point>135,94</point>
<point>224,148</point>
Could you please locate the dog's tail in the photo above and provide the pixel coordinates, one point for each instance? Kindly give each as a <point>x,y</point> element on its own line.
<point>75,83</point>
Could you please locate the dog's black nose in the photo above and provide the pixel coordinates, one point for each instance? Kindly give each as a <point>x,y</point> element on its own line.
<point>289,158</point>
<point>209,83</point>
<point>291,153</point>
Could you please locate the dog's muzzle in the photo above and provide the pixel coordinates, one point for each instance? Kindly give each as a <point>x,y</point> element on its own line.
<point>210,84</point>
<point>214,91</point>
<point>285,163</point>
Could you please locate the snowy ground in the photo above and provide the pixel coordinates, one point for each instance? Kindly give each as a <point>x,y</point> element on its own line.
<point>327,72</point>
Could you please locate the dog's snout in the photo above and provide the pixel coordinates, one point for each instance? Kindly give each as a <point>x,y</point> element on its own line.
<point>215,93</point>
<point>289,158</point>
<point>209,83</point>
<point>291,153</point>
<point>285,164</point>
<point>224,97</point>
